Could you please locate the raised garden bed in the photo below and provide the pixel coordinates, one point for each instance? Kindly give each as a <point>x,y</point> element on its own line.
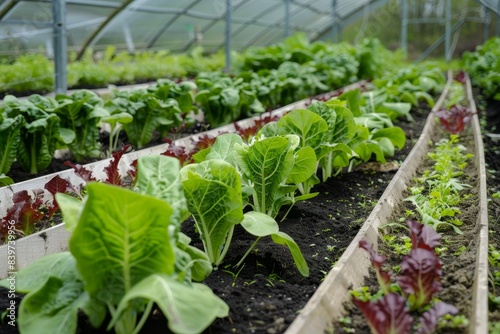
<point>275,278</point>
<point>465,278</point>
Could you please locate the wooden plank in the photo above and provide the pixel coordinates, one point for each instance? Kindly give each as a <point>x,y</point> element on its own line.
<point>33,247</point>
<point>479,313</point>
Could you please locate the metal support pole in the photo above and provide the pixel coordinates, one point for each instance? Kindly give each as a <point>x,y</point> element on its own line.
<point>486,31</point>
<point>287,18</point>
<point>335,23</point>
<point>447,38</point>
<point>404,27</point>
<point>497,24</point>
<point>228,36</point>
<point>60,46</point>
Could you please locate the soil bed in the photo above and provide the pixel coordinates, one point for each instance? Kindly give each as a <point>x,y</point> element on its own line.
<point>265,296</point>
<point>458,262</point>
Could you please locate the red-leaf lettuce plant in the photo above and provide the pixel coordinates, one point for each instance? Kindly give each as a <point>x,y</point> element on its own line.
<point>419,281</point>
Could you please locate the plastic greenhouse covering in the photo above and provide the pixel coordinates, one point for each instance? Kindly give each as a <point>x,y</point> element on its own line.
<point>176,25</point>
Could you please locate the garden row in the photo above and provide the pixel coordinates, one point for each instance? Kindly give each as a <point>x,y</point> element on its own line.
<point>303,145</point>
<point>34,73</point>
<point>415,295</point>
<point>32,129</point>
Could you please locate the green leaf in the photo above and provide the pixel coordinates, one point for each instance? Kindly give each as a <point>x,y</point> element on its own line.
<point>353,98</point>
<point>395,134</point>
<point>304,166</point>
<point>189,309</point>
<point>213,193</point>
<point>53,307</point>
<point>398,109</point>
<point>259,224</point>
<point>386,146</point>
<point>121,238</point>
<point>267,164</point>
<point>159,176</point>
<point>71,208</point>
<point>223,148</point>
<point>118,118</point>
<point>10,137</point>
<point>33,276</point>
<point>306,124</point>
<point>282,238</point>
<point>5,180</point>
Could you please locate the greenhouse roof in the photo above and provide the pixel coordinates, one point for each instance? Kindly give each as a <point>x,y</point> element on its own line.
<point>178,25</point>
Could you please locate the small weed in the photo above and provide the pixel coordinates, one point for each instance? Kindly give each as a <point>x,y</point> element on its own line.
<point>460,251</point>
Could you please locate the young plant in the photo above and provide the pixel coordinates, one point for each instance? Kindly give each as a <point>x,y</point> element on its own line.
<point>271,170</point>
<point>214,197</point>
<point>149,112</point>
<point>213,193</point>
<point>10,137</point>
<point>81,113</point>
<point>40,133</point>
<point>123,260</point>
<point>418,282</point>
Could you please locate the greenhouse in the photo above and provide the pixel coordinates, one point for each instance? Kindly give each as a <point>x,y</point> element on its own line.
<point>230,166</point>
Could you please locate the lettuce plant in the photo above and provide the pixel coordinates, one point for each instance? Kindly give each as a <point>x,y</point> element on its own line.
<point>41,132</point>
<point>82,112</point>
<point>213,192</point>
<point>122,260</point>
<point>214,197</point>
<point>336,153</point>
<point>271,169</point>
<point>10,137</point>
<point>418,283</point>
<point>149,112</point>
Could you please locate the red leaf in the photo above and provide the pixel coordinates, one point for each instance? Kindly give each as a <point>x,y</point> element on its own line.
<point>455,119</point>
<point>423,236</point>
<point>204,141</point>
<point>180,153</point>
<point>25,211</point>
<point>81,171</point>
<point>388,315</point>
<point>420,277</point>
<point>384,279</point>
<point>429,319</point>
<point>112,173</point>
<point>57,185</point>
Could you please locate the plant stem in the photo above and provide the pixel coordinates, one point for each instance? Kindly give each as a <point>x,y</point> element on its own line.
<point>144,317</point>
<point>226,246</point>
<point>248,252</point>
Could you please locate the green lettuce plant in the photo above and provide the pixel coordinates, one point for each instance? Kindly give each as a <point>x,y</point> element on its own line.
<point>82,112</point>
<point>41,133</point>
<point>122,260</point>
<point>214,197</point>
<point>10,137</point>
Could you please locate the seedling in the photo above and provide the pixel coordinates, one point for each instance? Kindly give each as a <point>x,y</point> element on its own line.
<point>417,284</point>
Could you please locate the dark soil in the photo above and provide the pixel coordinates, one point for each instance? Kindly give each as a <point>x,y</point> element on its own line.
<point>458,263</point>
<point>265,296</point>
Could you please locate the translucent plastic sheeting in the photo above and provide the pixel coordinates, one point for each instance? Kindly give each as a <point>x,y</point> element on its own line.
<point>177,25</point>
